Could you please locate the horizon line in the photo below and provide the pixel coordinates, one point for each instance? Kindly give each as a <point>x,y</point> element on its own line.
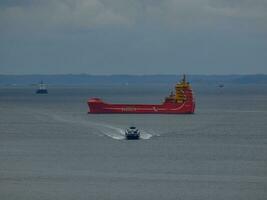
<point>158,74</point>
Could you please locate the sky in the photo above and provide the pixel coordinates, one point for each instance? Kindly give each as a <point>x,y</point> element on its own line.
<point>133,36</point>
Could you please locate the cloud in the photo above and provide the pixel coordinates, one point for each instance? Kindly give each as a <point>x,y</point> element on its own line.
<point>59,14</point>
<point>247,9</point>
<point>84,14</point>
<point>34,15</point>
<point>120,36</point>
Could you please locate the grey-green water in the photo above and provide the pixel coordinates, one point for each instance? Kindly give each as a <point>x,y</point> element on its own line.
<point>50,148</point>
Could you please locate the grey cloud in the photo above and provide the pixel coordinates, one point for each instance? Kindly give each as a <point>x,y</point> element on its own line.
<point>241,8</point>
<point>21,3</point>
<point>95,13</point>
<point>59,13</point>
<point>240,3</point>
<point>130,36</point>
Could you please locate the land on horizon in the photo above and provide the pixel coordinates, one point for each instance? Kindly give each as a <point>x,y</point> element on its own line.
<point>86,79</point>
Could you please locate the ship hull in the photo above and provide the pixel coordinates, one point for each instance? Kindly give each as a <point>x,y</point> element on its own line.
<point>41,91</point>
<point>132,137</point>
<point>97,106</point>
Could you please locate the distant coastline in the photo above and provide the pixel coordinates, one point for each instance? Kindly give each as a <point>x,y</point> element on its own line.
<point>84,79</point>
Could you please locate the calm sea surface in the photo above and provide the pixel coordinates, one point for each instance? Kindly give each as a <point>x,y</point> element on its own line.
<point>50,148</point>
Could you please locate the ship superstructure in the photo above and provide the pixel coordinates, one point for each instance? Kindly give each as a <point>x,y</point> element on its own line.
<point>42,88</point>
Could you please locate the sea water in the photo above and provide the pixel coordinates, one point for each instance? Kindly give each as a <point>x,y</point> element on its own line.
<point>50,148</point>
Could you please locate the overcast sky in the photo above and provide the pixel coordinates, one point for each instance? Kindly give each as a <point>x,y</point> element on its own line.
<point>133,36</point>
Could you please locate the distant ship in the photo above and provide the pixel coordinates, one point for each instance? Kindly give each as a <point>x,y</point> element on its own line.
<point>42,88</point>
<point>182,102</point>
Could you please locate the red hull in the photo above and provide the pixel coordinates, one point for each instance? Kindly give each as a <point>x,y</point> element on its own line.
<point>182,102</point>
<point>96,105</point>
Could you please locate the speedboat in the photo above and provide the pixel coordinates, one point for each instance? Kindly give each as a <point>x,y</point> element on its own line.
<point>132,133</point>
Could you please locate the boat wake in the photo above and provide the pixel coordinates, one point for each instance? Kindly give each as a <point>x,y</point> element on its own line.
<point>118,133</point>
<point>110,131</point>
<point>98,128</point>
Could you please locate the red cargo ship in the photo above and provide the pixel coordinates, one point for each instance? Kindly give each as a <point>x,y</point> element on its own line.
<point>182,102</point>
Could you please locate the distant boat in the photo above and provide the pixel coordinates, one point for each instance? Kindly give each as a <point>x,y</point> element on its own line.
<point>42,88</point>
<point>221,85</point>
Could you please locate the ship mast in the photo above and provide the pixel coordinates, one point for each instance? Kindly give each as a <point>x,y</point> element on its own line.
<point>184,79</point>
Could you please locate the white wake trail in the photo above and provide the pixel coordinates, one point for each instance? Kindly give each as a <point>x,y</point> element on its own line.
<point>145,135</point>
<point>98,128</point>
<point>105,129</point>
